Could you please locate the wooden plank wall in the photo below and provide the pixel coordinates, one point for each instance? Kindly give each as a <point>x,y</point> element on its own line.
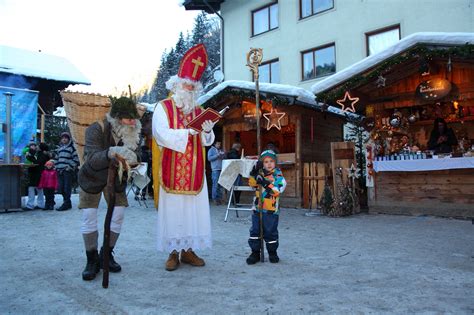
<point>448,193</point>
<point>326,129</point>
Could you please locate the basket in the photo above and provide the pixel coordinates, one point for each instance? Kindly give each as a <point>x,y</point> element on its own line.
<point>83,109</point>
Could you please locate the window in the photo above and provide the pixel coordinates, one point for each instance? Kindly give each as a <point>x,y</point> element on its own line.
<point>319,62</point>
<point>269,72</point>
<point>312,7</point>
<point>380,39</point>
<point>265,19</point>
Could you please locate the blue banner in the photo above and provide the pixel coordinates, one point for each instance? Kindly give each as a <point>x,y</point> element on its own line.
<point>24,118</point>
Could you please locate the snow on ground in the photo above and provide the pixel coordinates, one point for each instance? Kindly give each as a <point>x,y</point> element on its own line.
<point>359,264</point>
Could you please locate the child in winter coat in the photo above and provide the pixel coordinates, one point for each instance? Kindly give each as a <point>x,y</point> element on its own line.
<point>49,184</point>
<point>270,178</point>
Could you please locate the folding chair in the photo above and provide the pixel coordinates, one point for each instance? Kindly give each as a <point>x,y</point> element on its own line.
<point>139,188</point>
<point>139,193</point>
<point>244,207</point>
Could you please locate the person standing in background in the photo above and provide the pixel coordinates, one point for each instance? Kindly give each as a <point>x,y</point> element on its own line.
<point>49,184</point>
<point>37,158</point>
<point>215,155</point>
<point>66,163</point>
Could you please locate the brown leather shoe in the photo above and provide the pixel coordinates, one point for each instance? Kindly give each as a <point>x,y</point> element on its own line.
<point>191,258</point>
<point>173,261</point>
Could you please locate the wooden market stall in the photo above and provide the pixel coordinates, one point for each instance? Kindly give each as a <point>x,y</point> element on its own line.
<point>299,127</point>
<point>404,92</point>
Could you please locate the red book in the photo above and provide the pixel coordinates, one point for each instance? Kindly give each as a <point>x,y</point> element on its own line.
<point>208,114</point>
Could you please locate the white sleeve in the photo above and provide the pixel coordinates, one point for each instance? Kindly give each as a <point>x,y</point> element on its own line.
<point>174,139</point>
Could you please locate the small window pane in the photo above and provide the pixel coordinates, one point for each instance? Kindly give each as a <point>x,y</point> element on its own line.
<point>275,66</point>
<point>274,16</point>
<point>306,8</point>
<point>308,66</point>
<point>264,73</point>
<point>325,61</point>
<point>260,21</point>
<point>380,41</point>
<point>321,5</point>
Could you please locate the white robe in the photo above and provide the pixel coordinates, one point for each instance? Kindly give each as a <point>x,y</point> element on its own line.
<point>183,220</point>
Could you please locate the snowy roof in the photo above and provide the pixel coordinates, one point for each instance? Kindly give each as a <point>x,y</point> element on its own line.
<point>39,65</point>
<point>427,38</point>
<point>301,95</point>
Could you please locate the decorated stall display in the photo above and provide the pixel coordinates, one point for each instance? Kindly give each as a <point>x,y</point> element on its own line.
<point>418,105</point>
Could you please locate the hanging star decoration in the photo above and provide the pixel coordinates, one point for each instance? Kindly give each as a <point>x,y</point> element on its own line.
<point>274,119</point>
<point>380,81</point>
<point>343,101</point>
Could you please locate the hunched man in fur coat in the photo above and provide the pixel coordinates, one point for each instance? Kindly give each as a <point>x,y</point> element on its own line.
<point>117,134</point>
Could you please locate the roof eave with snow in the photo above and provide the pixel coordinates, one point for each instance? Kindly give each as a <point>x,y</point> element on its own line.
<point>33,64</point>
<point>425,38</point>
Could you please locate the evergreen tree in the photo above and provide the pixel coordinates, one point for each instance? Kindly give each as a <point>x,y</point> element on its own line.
<point>357,134</point>
<point>206,31</point>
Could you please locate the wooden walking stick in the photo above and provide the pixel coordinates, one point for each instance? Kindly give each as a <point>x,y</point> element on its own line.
<point>117,165</point>
<point>112,174</point>
<point>254,59</point>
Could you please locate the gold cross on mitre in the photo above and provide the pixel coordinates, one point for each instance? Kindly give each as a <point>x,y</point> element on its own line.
<point>197,63</point>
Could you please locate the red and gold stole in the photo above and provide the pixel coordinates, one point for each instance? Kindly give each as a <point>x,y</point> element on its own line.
<point>182,173</point>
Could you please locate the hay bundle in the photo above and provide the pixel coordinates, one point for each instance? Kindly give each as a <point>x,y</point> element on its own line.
<point>83,109</point>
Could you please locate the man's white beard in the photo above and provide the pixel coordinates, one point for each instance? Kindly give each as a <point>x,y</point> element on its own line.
<point>185,100</point>
<point>130,135</point>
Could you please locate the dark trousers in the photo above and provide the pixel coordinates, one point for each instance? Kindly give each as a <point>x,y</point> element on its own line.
<point>49,194</point>
<point>65,186</point>
<point>270,231</point>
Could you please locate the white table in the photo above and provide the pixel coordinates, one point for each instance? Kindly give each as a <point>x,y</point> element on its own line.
<point>424,164</point>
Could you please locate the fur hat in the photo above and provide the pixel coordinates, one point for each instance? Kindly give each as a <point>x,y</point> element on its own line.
<point>269,153</point>
<point>124,107</point>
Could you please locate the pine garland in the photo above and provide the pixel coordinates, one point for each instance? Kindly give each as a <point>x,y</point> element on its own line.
<point>421,51</point>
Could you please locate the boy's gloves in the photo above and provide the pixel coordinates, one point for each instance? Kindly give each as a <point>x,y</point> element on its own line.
<point>256,168</point>
<point>124,152</point>
<point>262,181</point>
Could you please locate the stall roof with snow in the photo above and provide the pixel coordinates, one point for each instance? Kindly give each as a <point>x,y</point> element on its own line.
<point>395,63</point>
<point>39,65</point>
<point>235,90</point>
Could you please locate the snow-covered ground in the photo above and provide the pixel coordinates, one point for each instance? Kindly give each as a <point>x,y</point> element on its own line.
<point>360,264</point>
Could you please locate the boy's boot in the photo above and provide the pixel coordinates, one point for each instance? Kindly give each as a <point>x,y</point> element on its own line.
<point>273,257</point>
<point>113,265</point>
<point>253,258</point>
<point>173,261</point>
<point>92,266</point>
<point>190,257</point>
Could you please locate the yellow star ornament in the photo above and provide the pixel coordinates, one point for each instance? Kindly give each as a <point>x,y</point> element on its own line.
<point>353,101</point>
<point>273,119</point>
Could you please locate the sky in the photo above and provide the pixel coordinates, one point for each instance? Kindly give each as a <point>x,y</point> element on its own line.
<point>112,42</point>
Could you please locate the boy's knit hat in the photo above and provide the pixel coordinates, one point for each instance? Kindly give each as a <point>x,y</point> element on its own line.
<point>269,153</point>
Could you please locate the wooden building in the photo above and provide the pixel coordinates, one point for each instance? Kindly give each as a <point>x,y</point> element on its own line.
<point>37,71</point>
<point>300,128</point>
<point>401,91</point>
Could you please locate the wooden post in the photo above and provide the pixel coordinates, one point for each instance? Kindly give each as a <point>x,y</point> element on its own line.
<point>254,59</point>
